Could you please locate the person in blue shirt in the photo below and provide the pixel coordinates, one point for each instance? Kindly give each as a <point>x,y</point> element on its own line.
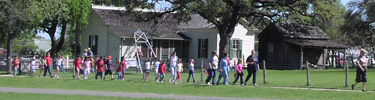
<point>252,67</point>
<point>224,69</point>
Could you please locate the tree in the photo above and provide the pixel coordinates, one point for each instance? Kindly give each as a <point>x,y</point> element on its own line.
<point>357,23</point>
<point>79,14</point>
<point>15,18</point>
<point>60,14</point>
<point>224,14</point>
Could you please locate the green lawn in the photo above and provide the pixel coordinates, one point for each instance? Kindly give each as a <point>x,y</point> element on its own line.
<point>35,96</point>
<point>333,78</point>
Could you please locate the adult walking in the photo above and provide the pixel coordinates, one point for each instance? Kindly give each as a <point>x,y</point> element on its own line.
<point>172,64</point>
<point>252,67</point>
<point>48,65</point>
<point>361,75</point>
<point>224,69</point>
<point>212,64</point>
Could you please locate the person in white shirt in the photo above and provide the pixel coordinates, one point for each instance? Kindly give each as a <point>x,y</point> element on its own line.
<point>32,68</point>
<point>156,69</point>
<point>58,65</point>
<point>212,63</point>
<point>172,64</point>
<point>147,69</point>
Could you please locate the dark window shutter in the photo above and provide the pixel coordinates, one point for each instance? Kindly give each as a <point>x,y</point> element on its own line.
<point>199,47</point>
<point>239,49</point>
<point>96,45</point>
<point>206,48</point>
<point>231,49</point>
<point>89,40</point>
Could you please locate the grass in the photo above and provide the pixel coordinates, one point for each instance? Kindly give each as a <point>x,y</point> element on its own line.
<point>35,96</point>
<point>333,78</point>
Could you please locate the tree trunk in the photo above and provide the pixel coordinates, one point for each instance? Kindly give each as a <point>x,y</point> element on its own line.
<point>9,55</point>
<point>62,37</point>
<point>9,51</point>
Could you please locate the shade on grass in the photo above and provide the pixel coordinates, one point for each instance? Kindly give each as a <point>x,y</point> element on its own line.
<point>36,96</point>
<point>333,78</point>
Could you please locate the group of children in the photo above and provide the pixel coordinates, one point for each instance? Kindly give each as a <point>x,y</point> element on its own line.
<point>102,64</point>
<point>160,70</point>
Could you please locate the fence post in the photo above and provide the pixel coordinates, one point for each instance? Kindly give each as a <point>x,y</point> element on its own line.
<point>346,74</point>
<point>308,73</point>
<point>202,71</point>
<point>264,72</point>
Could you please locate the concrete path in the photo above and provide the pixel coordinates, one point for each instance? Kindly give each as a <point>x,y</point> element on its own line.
<point>114,94</point>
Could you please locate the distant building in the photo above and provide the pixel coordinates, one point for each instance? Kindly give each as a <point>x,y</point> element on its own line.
<point>288,46</point>
<point>43,45</point>
<point>110,32</point>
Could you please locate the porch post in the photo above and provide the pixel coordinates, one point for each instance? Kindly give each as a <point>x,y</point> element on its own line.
<point>324,58</point>
<point>301,60</point>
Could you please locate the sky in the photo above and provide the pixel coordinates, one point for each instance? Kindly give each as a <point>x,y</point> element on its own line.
<point>158,6</point>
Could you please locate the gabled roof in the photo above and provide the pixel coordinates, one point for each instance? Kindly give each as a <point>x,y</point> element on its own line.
<point>113,17</point>
<point>197,22</point>
<point>300,31</point>
<point>305,35</point>
<point>43,44</point>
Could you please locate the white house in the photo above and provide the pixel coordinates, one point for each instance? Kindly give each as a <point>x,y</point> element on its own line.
<point>110,32</point>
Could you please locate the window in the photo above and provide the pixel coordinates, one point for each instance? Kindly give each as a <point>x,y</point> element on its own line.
<point>93,43</point>
<point>202,48</point>
<point>270,46</point>
<point>236,49</point>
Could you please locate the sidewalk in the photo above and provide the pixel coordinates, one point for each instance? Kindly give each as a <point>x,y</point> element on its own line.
<point>114,94</point>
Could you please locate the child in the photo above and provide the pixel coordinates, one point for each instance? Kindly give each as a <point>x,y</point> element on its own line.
<point>179,69</point>
<point>77,64</point>
<point>32,68</point>
<point>119,72</point>
<point>239,72</point>
<point>41,65</point>
<point>99,68</point>
<point>91,64</point>
<point>86,66</point>
<point>58,65</point>
<point>147,69</point>
<point>191,71</point>
<point>157,63</point>
<point>15,63</point>
<point>162,71</point>
<point>123,66</point>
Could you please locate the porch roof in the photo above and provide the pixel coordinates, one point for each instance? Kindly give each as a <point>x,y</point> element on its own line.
<point>315,43</point>
<point>167,35</point>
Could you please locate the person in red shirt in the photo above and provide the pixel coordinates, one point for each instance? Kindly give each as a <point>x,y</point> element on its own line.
<point>77,64</point>
<point>99,68</point>
<point>162,70</point>
<point>15,63</point>
<point>119,72</point>
<point>123,66</point>
<point>48,65</point>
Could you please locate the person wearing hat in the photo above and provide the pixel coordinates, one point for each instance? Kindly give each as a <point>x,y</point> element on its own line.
<point>108,70</point>
<point>361,75</point>
<point>212,64</point>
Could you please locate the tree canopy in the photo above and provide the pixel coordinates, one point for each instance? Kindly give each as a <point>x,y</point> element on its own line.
<point>359,16</point>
